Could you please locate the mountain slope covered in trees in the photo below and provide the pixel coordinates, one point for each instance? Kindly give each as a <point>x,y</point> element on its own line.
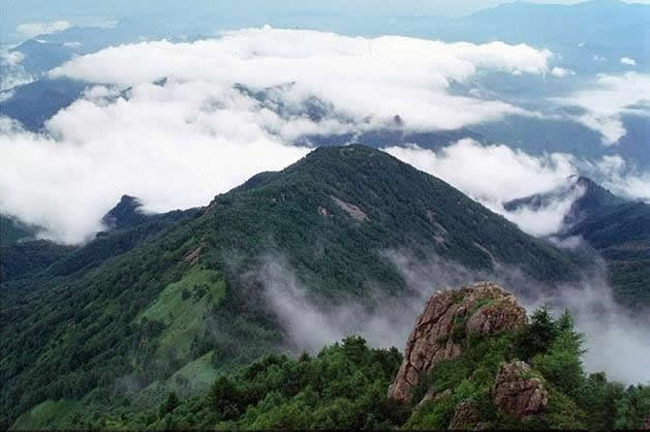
<point>124,320</point>
<point>346,386</point>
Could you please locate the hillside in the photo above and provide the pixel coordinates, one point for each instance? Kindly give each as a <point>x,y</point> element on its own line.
<point>474,361</point>
<point>621,234</point>
<point>13,231</point>
<point>186,298</point>
<point>619,229</point>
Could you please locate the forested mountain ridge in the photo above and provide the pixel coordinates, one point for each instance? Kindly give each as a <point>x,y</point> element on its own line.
<point>474,361</point>
<point>618,228</point>
<point>184,299</point>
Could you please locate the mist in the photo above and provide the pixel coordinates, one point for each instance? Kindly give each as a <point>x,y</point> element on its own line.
<point>616,341</point>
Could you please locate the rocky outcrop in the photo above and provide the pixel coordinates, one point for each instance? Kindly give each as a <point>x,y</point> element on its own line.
<point>517,392</point>
<point>466,417</point>
<point>439,332</point>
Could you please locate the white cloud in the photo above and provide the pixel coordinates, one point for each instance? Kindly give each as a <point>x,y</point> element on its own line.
<point>38,28</point>
<point>561,72</point>
<point>612,96</point>
<point>179,142</point>
<point>169,158</point>
<point>376,78</point>
<point>13,58</point>
<point>72,45</point>
<point>621,179</point>
<point>599,58</point>
<point>496,174</point>
<point>628,61</point>
<point>13,73</point>
<point>490,173</point>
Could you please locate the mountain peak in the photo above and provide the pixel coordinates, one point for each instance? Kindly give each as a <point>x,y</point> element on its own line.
<point>125,214</point>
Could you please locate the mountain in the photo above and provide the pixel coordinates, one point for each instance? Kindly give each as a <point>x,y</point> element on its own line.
<point>41,56</point>
<point>621,234</point>
<point>592,200</point>
<point>188,297</point>
<point>34,103</point>
<point>126,227</point>
<point>619,229</point>
<point>126,214</point>
<point>13,231</point>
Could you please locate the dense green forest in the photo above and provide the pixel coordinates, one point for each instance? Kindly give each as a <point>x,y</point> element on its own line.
<point>163,304</point>
<point>345,387</point>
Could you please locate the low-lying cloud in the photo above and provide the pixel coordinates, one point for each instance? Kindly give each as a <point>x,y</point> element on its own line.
<point>628,61</point>
<point>611,97</point>
<point>177,123</point>
<point>13,73</point>
<point>40,28</point>
<point>616,341</point>
<point>496,174</point>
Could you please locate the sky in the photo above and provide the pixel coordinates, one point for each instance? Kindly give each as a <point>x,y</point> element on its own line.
<point>15,11</point>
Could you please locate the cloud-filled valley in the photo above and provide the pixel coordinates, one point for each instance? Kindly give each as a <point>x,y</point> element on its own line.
<point>616,342</point>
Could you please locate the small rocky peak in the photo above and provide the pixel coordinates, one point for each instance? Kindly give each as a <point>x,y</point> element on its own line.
<point>440,332</point>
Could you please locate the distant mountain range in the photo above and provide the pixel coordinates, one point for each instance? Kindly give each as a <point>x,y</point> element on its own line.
<point>619,229</point>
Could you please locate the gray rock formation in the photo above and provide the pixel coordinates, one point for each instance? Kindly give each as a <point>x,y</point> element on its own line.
<point>439,332</point>
<point>517,392</point>
<point>466,417</point>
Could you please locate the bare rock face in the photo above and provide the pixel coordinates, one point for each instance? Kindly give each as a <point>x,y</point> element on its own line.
<point>439,332</point>
<point>517,393</point>
<point>466,417</point>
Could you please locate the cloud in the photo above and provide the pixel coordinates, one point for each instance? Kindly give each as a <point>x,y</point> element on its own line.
<point>616,341</point>
<point>490,173</point>
<point>628,61</point>
<point>38,28</point>
<point>495,174</point>
<point>13,73</point>
<point>149,150</point>
<point>599,58</point>
<point>361,77</point>
<point>72,45</point>
<point>561,72</point>
<point>177,123</point>
<point>546,220</point>
<point>621,178</point>
<point>611,96</point>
